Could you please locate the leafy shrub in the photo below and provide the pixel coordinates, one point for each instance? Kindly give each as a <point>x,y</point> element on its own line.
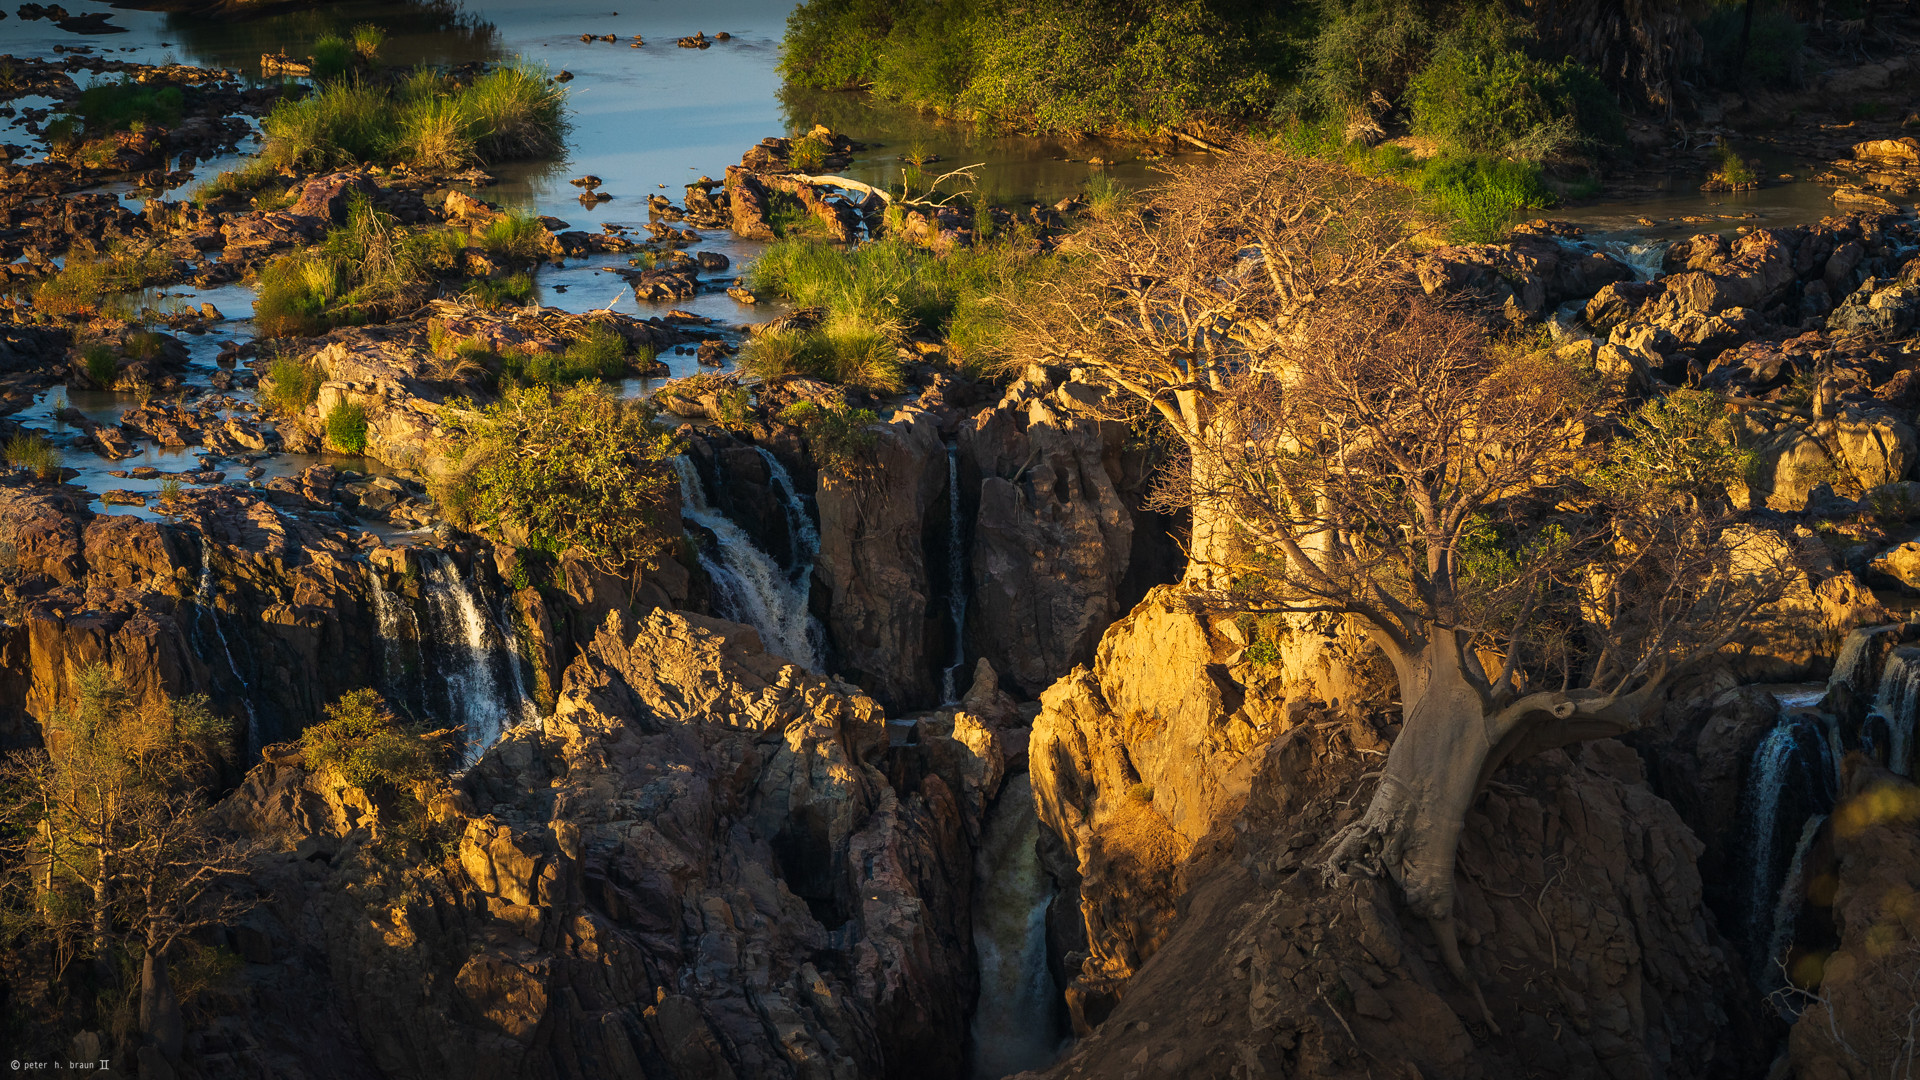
<point>103,367</point>
<point>807,155</point>
<point>1680,446</point>
<point>841,437</point>
<point>568,467</point>
<point>1490,97</point>
<point>347,428</point>
<point>31,451</point>
<point>1360,49</point>
<point>362,744</point>
<point>1482,195</point>
<point>290,386</point>
<point>1730,169</point>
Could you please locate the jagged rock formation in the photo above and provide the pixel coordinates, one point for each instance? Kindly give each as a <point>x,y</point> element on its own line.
<point>695,867</point>
<point>1191,789</point>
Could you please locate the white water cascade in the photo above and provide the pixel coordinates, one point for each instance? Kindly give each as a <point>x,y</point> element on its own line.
<point>956,583</point>
<point>474,694</point>
<point>1899,702</point>
<point>1786,907</point>
<point>800,529</point>
<point>750,587</point>
<point>1016,1020</point>
<point>391,620</point>
<point>1789,781</point>
<point>204,596</point>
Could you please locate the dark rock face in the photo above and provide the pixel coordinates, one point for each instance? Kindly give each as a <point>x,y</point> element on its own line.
<point>1052,536</point>
<point>1190,792</point>
<point>693,868</point>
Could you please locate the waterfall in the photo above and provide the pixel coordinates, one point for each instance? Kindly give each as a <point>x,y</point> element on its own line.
<point>1786,908</point>
<point>1016,1020</point>
<point>389,628</point>
<point>956,583</point>
<point>460,632</point>
<point>1852,668</point>
<point>1788,781</point>
<point>800,530</point>
<point>749,586</point>
<point>204,597</point>
<point>1899,701</point>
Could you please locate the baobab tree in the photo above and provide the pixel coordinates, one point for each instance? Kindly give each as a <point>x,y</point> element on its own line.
<point>1358,450</point>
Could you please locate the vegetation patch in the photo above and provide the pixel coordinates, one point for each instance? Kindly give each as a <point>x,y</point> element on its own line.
<point>570,467</point>
<point>366,269</point>
<point>290,386</point>
<point>363,744</point>
<point>841,438</point>
<point>31,451</point>
<point>346,428</point>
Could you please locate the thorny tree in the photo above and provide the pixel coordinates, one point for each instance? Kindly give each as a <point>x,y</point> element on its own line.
<point>1360,452</point>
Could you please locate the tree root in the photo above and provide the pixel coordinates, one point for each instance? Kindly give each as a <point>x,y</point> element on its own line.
<point>1449,941</point>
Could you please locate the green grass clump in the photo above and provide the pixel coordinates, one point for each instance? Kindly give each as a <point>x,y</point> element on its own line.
<point>807,155</point>
<point>1482,195</point>
<point>366,268</point>
<point>127,106</point>
<point>1730,169</point>
<point>878,294</point>
<point>601,353</point>
<point>514,112</point>
<point>84,282</point>
<point>514,236</point>
<point>1105,196</point>
<point>346,428</point>
<point>332,57</point>
<point>31,451</point>
<point>290,386</point>
<point>367,39</point>
<point>102,366</point>
<point>493,293</point>
<point>246,180</point>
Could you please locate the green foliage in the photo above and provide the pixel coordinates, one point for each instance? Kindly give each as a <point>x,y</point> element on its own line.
<point>1481,195</point>
<point>1141,793</point>
<point>1359,49</point>
<point>1679,446</point>
<point>1482,94</point>
<point>362,744</point>
<point>1730,169</point>
<point>83,282</point>
<point>1105,196</point>
<point>601,353</point>
<point>807,155</point>
<point>840,437</point>
<point>363,269</point>
<point>512,236</point>
<point>367,39</point>
<point>290,386</point>
<point>1051,65</point>
<point>511,113</point>
<point>127,105</point>
<point>31,451</point>
<point>876,295</point>
<point>246,180</point>
<point>103,367</point>
<point>346,427</point>
<point>565,467</point>
<point>332,57</point>
<point>170,491</point>
<point>492,293</point>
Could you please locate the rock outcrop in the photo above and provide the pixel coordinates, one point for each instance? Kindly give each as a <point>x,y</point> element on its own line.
<point>693,868</point>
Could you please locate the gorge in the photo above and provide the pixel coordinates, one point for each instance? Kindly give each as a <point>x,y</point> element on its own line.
<point>773,663</point>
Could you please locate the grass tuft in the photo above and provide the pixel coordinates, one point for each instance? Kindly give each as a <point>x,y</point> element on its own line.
<point>346,428</point>
<point>31,451</point>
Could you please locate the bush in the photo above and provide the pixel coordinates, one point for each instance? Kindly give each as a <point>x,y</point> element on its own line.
<point>362,744</point>
<point>103,367</point>
<point>367,39</point>
<point>347,428</point>
<point>841,438</point>
<point>31,451</point>
<point>290,386</point>
<point>1730,170</point>
<point>807,155</point>
<point>571,467</point>
<point>1481,195</point>
<point>1487,96</point>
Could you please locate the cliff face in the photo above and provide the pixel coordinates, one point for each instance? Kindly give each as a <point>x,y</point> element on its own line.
<point>695,867</point>
<point>1190,798</point>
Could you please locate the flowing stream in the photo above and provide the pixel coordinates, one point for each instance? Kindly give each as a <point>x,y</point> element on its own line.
<point>749,586</point>
<point>1016,1022</point>
<point>1789,782</point>
<point>1898,702</point>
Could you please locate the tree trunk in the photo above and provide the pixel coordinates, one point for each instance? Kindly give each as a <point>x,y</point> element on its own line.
<point>1210,555</point>
<point>160,1019</point>
<point>1412,827</point>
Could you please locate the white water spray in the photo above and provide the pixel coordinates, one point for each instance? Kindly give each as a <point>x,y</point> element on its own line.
<point>751,587</point>
<point>204,596</point>
<point>1015,1020</point>
<point>460,631</point>
<point>1899,702</point>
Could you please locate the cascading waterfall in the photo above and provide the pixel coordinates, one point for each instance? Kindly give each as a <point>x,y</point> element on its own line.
<point>1853,668</point>
<point>204,595</point>
<point>1786,908</point>
<point>460,634</point>
<point>1647,258</point>
<point>806,538</point>
<point>956,583</point>
<point>1788,782</point>
<point>1015,1022</point>
<point>392,618</point>
<point>1899,702</point>
<point>750,587</point>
